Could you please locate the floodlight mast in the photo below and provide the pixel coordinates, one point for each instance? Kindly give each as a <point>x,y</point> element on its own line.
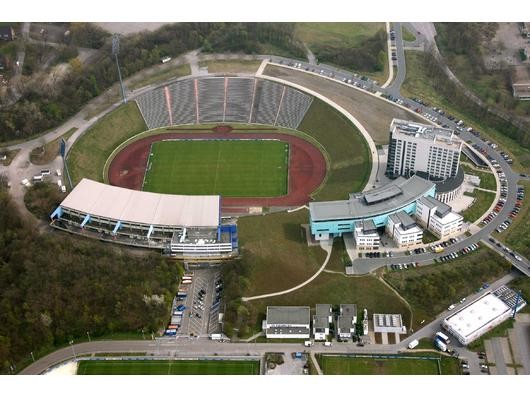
<point>115,52</point>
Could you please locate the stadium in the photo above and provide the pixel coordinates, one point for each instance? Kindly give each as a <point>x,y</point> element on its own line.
<point>214,147</point>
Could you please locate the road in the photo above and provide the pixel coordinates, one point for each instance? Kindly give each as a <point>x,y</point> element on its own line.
<point>394,88</point>
<point>189,347</point>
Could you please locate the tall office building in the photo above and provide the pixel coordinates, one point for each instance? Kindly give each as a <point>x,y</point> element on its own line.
<point>416,147</point>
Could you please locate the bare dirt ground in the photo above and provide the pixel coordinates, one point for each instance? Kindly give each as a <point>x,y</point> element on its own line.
<point>130,27</point>
<point>375,114</point>
<point>504,47</point>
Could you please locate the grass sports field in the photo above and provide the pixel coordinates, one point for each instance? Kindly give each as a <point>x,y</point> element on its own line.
<point>231,168</point>
<point>168,367</point>
<point>345,365</point>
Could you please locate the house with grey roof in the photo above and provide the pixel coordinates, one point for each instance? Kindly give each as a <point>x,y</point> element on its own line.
<point>321,321</point>
<point>346,321</point>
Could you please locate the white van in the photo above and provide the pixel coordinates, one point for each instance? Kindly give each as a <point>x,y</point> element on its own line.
<point>413,344</point>
<point>63,188</point>
<point>308,343</point>
<point>327,344</point>
<point>59,183</point>
<point>37,178</point>
<point>58,172</point>
<point>45,172</point>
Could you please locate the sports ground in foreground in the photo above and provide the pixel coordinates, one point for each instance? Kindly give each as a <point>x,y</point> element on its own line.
<point>345,365</point>
<point>168,367</point>
<point>231,168</point>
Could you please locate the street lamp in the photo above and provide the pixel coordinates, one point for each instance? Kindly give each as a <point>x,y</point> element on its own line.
<point>73,350</point>
<point>32,357</point>
<point>88,334</point>
<point>115,51</point>
<point>143,336</point>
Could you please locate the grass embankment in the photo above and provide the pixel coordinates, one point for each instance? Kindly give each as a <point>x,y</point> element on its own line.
<point>487,179</point>
<point>231,66</point>
<point>87,157</point>
<point>517,235</point>
<point>407,35</point>
<point>482,202</point>
<point>418,84</point>
<point>431,289</point>
<point>170,367</point>
<point>348,151</point>
<point>247,168</point>
<point>159,76</point>
<point>348,365</point>
<point>45,154</point>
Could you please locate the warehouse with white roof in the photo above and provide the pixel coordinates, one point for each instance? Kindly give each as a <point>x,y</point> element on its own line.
<point>180,225</point>
<point>483,314</point>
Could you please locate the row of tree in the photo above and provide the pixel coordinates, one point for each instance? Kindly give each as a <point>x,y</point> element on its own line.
<point>40,109</point>
<point>55,287</point>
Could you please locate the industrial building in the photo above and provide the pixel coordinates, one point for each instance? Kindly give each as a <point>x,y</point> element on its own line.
<point>330,219</point>
<point>287,322</point>
<point>480,316</point>
<point>416,147</point>
<point>182,226</point>
<point>437,217</point>
<point>321,321</point>
<point>403,230</point>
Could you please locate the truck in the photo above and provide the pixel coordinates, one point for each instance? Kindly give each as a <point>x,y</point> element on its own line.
<point>440,345</point>
<point>441,336</point>
<point>413,344</point>
<point>187,278</point>
<point>186,281</point>
<point>216,336</point>
<point>308,343</point>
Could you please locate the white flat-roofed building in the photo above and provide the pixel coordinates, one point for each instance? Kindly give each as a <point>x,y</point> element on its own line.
<point>403,230</point>
<point>181,225</point>
<point>420,147</point>
<point>438,217</point>
<point>287,322</point>
<point>389,323</point>
<point>480,316</point>
<point>366,235</point>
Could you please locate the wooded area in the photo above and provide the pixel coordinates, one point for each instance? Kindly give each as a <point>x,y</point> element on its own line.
<point>38,110</point>
<point>55,287</point>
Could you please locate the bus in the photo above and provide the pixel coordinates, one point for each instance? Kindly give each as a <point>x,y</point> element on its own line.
<point>187,278</point>
<point>186,281</point>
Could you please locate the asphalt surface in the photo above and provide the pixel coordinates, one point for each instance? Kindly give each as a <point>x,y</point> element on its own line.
<point>394,88</point>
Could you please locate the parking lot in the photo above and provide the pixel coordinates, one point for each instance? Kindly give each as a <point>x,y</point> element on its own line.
<point>202,303</point>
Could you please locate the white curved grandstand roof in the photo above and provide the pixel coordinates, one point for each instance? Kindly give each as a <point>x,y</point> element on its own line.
<point>385,199</point>
<point>131,206</point>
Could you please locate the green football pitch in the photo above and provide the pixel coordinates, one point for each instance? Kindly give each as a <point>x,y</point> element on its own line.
<point>168,367</point>
<point>231,168</point>
<point>345,365</point>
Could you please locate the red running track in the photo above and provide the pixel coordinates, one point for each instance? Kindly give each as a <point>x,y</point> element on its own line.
<point>307,166</point>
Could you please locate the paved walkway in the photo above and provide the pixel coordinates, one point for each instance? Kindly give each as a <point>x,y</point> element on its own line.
<point>390,63</point>
<point>327,246</point>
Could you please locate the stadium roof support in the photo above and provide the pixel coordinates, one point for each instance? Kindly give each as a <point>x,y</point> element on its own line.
<point>85,220</point>
<point>151,229</point>
<point>58,212</point>
<point>116,227</point>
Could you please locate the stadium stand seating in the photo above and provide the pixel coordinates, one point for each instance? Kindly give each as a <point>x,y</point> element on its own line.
<point>183,102</point>
<point>268,96</point>
<point>153,106</point>
<point>239,99</point>
<point>293,108</point>
<point>211,99</point>
<point>246,98</point>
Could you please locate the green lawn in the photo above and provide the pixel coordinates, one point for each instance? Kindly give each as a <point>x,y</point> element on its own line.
<point>483,200</point>
<point>236,168</point>
<point>407,34</point>
<point>87,157</point>
<point>432,288</point>
<point>517,235</point>
<point>45,154</point>
<point>348,151</point>
<point>347,365</point>
<point>231,66</point>
<point>487,179</point>
<point>417,84</point>
<point>169,367</point>
<point>341,34</point>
